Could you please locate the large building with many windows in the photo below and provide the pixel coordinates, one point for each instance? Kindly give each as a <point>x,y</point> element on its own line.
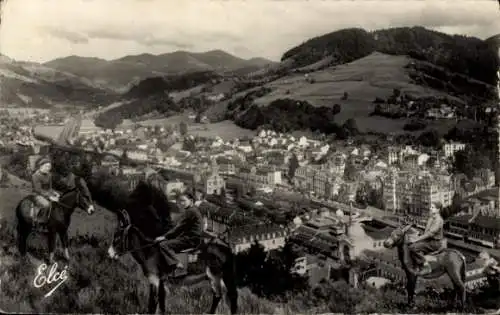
<point>414,192</point>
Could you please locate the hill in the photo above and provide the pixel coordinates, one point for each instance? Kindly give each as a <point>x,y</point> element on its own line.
<point>364,80</point>
<point>461,54</point>
<point>123,72</point>
<point>352,68</point>
<point>28,84</point>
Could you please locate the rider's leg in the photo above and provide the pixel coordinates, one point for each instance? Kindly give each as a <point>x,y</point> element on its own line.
<point>41,203</point>
<point>178,245</point>
<point>416,250</point>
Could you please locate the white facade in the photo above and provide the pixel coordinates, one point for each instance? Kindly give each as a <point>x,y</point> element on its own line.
<point>451,148</point>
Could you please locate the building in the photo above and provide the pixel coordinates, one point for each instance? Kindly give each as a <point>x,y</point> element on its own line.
<point>212,183</point>
<point>271,237</point>
<point>220,220</point>
<point>187,177</point>
<point>317,180</point>
<point>451,148</point>
<point>226,166</point>
<point>392,155</point>
<point>483,229</point>
<point>414,192</point>
<point>172,188</point>
<point>260,177</point>
<point>110,161</point>
<point>315,267</point>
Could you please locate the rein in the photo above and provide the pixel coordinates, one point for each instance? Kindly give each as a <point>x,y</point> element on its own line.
<point>152,243</point>
<point>125,239</point>
<point>64,194</point>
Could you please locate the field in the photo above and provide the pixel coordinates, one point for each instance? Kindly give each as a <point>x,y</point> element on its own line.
<point>226,129</point>
<point>364,79</point>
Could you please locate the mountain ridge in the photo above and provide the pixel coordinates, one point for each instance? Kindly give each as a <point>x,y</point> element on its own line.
<point>30,84</point>
<point>123,72</point>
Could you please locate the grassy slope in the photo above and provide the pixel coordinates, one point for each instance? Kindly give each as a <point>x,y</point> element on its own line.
<point>364,79</point>
<point>96,284</point>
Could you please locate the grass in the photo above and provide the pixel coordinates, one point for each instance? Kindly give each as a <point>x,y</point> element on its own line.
<point>226,129</point>
<point>364,79</point>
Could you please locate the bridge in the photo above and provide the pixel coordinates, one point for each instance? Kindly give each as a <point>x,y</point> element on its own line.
<point>76,153</point>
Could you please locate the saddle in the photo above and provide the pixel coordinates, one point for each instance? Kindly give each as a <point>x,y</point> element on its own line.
<point>40,215</point>
<point>431,257</point>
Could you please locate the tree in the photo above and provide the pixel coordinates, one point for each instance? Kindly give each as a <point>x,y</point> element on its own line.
<point>350,172</point>
<point>250,263</point>
<point>124,157</point>
<point>222,197</point>
<point>361,195</point>
<point>470,161</point>
<point>292,167</point>
<point>336,109</point>
<point>269,274</point>
<point>108,121</point>
<point>183,129</point>
<point>430,138</point>
<point>198,118</point>
<point>376,198</point>
<point>189,144</point>
<point>351,127</point>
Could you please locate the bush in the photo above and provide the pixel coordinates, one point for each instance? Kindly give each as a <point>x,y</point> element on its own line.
<point>415,126</point>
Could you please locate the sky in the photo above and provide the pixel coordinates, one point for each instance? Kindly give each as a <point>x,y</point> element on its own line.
<point>42,30</point>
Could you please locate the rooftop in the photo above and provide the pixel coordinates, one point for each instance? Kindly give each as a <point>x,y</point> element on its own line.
<point>481,221</point>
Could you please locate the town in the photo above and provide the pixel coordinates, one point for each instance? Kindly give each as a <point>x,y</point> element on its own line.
<point>275,187</point>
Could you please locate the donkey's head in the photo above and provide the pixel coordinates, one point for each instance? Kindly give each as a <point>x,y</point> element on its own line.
<point>397,236</point>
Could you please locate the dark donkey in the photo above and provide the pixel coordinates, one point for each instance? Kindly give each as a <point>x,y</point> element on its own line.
<point>58,220</point>
<point>217,256</point>
<point>445,261</point>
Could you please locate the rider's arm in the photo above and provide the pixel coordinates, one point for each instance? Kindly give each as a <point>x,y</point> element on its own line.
<point>433,229</point>
<point>474,216</point>
<point>37,184</point>
<point>178,228</point>
<point>189,224</point>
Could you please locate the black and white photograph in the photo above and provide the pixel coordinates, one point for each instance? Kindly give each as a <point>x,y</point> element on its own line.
<point>249,157</point>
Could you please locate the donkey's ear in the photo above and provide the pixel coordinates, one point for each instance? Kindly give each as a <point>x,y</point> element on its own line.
<point>125,217</point>
<point>121,219</point>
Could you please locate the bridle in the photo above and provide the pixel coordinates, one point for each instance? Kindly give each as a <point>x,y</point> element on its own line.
<point>125,231</point>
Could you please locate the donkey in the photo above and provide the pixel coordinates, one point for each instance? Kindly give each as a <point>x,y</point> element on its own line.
<point>218,257</point>
<point>444,261</point>
<point>58,219</point>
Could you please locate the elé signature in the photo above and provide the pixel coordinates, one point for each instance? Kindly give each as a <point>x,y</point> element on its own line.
<point>46,276</point>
